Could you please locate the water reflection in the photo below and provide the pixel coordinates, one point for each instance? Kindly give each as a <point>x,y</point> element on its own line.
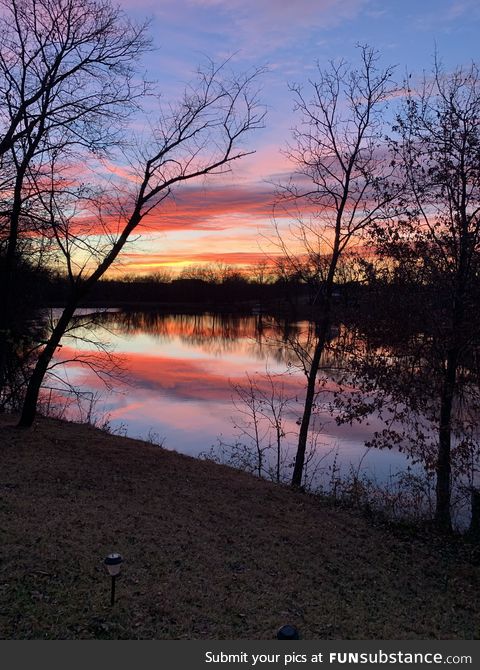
<point>179,370</point>
<point>218,334</point>
<point>259,336</point>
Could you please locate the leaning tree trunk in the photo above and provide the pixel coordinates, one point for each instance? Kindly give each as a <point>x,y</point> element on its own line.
<point>29,409</point>
<point>313,372</point>
<point>80,291</point>
<point>307,410</point>
<point>310,394</point>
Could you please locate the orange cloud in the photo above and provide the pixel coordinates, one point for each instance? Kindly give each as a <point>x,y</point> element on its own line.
<point>198,208</point>
<point>132,262</point>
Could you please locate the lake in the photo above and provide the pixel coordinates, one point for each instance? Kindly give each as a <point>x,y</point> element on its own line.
<point>178,380</point>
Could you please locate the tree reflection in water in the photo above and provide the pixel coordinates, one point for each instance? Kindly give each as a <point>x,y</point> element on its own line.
<point>182,371</point>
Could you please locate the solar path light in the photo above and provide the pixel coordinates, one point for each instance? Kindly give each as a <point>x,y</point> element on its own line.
<point>113,564</point>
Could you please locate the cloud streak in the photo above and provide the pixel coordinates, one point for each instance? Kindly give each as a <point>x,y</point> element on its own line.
<point>257,28</point>
<point>137,262</point>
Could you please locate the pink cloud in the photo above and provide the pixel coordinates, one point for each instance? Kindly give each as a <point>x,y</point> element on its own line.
<point>198,208</point>
<point>255,27</point>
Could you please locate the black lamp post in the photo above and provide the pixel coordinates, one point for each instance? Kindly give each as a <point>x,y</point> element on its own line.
<point>113,563</point>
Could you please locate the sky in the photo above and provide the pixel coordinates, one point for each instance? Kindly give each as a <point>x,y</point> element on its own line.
<point>230,220</point>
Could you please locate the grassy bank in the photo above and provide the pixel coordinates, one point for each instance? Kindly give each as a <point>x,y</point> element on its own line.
<point>209,552</point>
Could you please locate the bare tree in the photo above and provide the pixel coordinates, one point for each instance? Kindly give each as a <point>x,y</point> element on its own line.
<point>67,81</point>
<point>64,64</point>
<point>199,136</point>
<point>262,409</point>
<point>338,189</point>
<point>433,250</point>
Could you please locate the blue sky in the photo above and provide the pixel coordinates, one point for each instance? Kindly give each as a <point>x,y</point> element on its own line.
<point>289,38</point>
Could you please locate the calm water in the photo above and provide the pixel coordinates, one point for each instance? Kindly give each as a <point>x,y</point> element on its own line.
<point>176,384</point>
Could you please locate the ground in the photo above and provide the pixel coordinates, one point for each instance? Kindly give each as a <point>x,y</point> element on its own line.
<point>209,552</point>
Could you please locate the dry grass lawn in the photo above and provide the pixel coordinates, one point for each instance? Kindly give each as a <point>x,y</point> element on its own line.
<point>209,552</point>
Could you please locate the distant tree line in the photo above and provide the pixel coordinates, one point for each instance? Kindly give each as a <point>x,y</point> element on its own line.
<point>203,286</point>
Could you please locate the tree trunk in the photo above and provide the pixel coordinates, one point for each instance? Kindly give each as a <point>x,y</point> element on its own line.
<point>314,367</point>
<point>29,409</point>
<point>8,280</point>
<point>309,398</point>
<point>307,413</point>
<point>7,299</point>
<point>443,517</point>
<point>5,320</point>
<point>474,529</point>
<point>443,489</point>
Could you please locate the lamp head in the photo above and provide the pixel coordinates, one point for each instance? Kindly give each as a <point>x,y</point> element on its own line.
<point>113,564</point>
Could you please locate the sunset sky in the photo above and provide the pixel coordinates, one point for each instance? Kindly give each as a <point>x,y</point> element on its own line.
<point>230,220</point>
